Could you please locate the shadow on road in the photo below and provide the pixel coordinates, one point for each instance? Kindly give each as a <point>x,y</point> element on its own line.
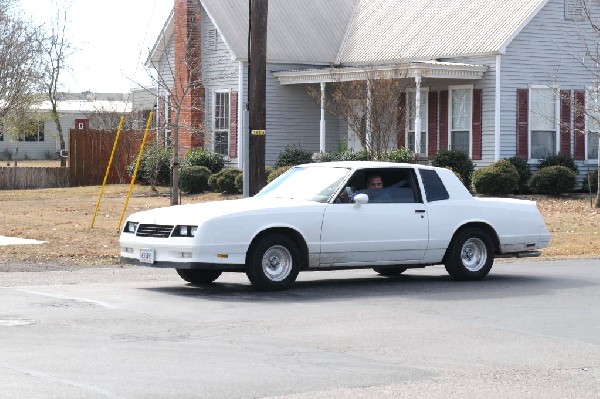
<point>310,287</point>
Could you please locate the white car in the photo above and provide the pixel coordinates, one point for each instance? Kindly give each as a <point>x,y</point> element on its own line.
<point>322,216</point>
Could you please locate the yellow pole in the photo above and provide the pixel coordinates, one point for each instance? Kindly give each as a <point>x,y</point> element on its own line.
<point>137,165</point>
<point>112,154</point>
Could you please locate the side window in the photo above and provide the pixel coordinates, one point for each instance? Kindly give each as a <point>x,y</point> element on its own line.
<point>434,188</point>
<point>382,185</point>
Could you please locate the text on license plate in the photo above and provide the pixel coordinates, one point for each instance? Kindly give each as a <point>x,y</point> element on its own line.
<point>147,255</point>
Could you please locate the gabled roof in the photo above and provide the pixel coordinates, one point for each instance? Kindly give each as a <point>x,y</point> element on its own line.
<point>389,30</point>
<point>299,31</point>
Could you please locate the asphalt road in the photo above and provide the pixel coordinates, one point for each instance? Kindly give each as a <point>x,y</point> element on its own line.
<point>531,330</point>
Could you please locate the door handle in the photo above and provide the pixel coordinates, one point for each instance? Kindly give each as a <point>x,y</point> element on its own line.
<point>419,210</point>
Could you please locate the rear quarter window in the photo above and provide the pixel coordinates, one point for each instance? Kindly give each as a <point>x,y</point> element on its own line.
<point>434,188</point>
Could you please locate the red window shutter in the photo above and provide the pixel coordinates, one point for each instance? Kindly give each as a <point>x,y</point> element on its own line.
<point>565,121</point>
<point>401,121</point>
<point>579,125</point>
<point>476,122</point>
<point>432,124</point>
<point>233,124</point>
<point>443,120</point>
<point>523,123</point>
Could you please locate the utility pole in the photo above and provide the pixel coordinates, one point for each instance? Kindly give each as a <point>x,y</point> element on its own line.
<point>257,80</point>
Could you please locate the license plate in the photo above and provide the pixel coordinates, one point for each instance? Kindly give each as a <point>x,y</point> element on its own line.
<point>147,255</point>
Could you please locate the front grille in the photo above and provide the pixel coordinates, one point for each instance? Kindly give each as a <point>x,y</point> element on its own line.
<point>154,230</point>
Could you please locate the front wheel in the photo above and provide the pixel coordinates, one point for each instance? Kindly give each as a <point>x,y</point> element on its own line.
<point>198,277</point>
<point>470,255</point>
<point>273,263</point>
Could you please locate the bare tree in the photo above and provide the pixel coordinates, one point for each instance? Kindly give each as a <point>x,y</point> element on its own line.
<point>181,84</point>
<point>20,67</point>
<point>56,50</point>
<point>23,125</point>
<point>370,106</point>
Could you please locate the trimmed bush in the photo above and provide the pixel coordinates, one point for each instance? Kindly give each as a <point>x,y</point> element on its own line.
<point>194,179</point>
<point>293,155</point>
<point>201,157</point>
<point>399,155</point>
<point>553,180</point>
<point>275,173</point>
<point>524,171</point>
<point>155,165</point>
<point>590,182</point>
<point>559,159</point>
<point>346,155</point>
<point>224,181</point>
<point>500,178</point>
<point>458,161</point>
<point>239,183</point>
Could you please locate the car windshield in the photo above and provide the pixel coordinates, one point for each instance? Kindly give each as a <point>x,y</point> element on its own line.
<point>308,183</point>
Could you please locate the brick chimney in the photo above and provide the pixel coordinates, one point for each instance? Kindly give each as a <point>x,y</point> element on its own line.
<point>188,45</point>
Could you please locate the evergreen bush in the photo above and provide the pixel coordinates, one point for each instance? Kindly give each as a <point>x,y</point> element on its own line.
<point>524,171</point>
<point>458,161</point>
<point>553,180</point>
<point>399,155</point>
<point>276,172</point>
<point>194,179</point>
<point>224,181</point>
<point>293,155</point>
<point>155,165</point>
<point>201,157</point>
<point>500,178</point>
<point>560,159</point>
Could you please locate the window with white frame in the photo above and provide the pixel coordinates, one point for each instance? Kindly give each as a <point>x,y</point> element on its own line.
<point>543,126</point>
<point>461,109</point>
<point>221,123</point>
<point>412,112</point>
<point>592,124</point>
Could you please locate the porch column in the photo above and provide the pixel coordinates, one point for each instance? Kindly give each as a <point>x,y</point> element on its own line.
<point>322,129</point>
<point>368,132</point>
<point>418,113</point>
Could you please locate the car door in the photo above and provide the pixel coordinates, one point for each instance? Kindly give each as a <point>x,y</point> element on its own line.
<point>375,233</point>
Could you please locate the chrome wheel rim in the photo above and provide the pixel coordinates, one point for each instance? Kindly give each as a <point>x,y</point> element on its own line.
<point>473,254</point>
<point>277,263</point>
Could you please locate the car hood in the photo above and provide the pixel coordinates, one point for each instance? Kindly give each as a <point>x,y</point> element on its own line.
<point>195,214</point>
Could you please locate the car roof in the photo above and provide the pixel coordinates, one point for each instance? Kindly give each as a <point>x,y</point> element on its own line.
<point>365,165</point>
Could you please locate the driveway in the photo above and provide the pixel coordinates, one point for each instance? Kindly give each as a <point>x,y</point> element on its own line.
<point>531,330</point>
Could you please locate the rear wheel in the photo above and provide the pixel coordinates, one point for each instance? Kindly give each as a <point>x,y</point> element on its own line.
<point>390,271</point>
<point>199,277</point>
<point>470,255</point>
<point>273,263</point>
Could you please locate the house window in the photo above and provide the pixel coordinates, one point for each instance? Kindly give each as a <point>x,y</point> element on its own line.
<point>35,132</point>
<point>410,129</point>
<point>592,123</point>
<point>543,129</point>
<point>461,109</point>
<point>221,123</point>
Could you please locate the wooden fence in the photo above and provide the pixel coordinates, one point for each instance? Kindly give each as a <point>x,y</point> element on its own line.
<point>89,154</point>
<point>18,178</point>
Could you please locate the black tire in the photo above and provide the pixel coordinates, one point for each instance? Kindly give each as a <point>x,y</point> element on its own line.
<point>470,255</point>
<point>390,271</point>
<point>273,263</point>
<point>199,277</point>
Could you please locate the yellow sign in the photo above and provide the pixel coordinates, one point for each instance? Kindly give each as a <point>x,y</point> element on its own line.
<point>259,132</point>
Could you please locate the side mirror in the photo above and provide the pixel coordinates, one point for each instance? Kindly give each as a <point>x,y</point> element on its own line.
<point>360,199</point>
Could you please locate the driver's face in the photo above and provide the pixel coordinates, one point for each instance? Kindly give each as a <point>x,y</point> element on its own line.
<point>375,182</point>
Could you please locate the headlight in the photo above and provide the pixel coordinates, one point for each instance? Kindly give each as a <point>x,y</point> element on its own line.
<point>130,227</point>
<point>185,231</point>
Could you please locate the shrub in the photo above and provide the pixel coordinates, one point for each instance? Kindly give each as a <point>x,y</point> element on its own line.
<point>275,173</point>
<point>559,159</point>
<point>345,155</point>
<point>500,178</point>
<point>524,173</point>
<point>201,157</point>
<point>293,155</point>
<point>458,161</point>
<point>224,181</point>
<point>590,183</point>
<point>155,165</point>
<point>194,179</point>
<point>399,155</point>
<point>239,183</point>
<point>553,180</point>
